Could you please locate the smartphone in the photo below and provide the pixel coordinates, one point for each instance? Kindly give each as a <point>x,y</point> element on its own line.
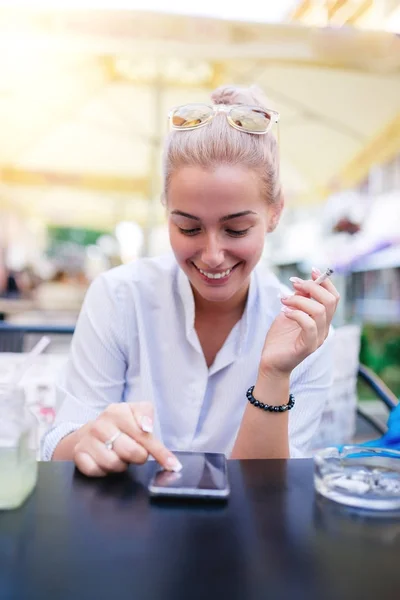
<point>203,476</point>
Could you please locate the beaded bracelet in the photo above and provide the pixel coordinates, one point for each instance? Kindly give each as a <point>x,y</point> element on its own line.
<point>268,407</point>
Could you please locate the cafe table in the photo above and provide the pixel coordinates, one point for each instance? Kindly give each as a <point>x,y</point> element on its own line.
<point>82,539</point>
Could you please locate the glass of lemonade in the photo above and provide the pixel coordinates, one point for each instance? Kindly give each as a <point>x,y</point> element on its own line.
<point>18,444</point>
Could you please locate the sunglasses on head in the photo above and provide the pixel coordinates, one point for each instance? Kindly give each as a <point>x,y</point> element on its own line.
<point>250,119</point>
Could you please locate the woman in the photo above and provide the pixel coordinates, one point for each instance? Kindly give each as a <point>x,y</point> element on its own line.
<point>166,349</point>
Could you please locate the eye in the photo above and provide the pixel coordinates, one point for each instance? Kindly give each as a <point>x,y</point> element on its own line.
<point>189,231</point>
<point>235,233</point>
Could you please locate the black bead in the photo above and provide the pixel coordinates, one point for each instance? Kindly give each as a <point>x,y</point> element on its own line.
<point>282,408</point>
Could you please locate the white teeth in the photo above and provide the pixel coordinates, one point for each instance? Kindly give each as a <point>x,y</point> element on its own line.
<point>216,275</point>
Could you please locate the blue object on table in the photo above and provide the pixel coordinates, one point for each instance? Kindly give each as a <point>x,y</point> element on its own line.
<point>391,436</point>
<point>391,439</point>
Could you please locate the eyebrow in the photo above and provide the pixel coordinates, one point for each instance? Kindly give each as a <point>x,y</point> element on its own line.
<point>244,213</point>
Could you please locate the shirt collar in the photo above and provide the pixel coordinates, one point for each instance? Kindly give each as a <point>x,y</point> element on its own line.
<point>186,294</point>
<point>248,311</point>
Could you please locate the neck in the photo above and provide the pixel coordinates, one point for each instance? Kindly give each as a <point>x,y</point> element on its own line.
<point>233,306</point>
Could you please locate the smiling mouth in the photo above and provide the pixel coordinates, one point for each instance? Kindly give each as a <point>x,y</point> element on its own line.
<point>216,276</point>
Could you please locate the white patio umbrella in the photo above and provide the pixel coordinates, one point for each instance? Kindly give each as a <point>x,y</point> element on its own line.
<point>84,97</point>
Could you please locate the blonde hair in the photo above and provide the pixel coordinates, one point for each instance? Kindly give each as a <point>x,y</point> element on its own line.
<point>220,144</point>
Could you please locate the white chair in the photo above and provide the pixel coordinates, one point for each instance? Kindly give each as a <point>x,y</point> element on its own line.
<point>344,419</point>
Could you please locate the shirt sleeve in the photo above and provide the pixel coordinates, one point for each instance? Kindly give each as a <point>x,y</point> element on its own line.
<point>310,384</point>
<point>94,376</point>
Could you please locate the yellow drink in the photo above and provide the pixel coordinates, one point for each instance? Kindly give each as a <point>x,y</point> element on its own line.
<point>18,474</point>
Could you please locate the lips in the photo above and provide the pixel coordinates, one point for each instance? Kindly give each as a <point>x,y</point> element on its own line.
<point>215,277</point>
<point>219,275</point>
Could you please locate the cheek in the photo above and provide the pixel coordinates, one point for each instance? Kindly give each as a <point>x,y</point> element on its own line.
<point>182,246</point>
<point>250,248</point>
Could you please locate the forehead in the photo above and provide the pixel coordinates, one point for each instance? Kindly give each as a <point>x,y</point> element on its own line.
<point>215,192</point>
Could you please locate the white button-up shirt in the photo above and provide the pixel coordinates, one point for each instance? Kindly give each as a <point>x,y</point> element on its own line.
<point>135,341</point>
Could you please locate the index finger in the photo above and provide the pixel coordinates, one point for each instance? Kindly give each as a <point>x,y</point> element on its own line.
<point>128,418</point>
<point>144,436</point>
<point>316,291</point>
<point>327,284</point>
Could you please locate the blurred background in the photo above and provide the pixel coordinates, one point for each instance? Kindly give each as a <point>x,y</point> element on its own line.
<point>85,88</point>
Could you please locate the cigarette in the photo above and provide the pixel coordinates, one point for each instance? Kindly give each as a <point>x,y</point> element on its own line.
<point>324,276</point>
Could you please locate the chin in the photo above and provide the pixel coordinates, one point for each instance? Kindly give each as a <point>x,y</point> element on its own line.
<point>215,295</point>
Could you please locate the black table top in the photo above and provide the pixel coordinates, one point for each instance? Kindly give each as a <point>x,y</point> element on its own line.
<point>83,539</point>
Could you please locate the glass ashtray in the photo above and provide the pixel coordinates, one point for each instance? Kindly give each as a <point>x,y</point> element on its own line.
<point>359,476</point>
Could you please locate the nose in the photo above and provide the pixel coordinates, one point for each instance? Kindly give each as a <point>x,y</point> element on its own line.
<point>213,254</point>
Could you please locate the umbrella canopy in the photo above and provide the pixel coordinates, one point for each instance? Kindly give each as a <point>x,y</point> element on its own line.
<point>84,97</point>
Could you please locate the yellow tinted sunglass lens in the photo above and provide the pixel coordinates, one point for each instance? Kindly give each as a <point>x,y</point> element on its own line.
<point>191,115</point>
<point>251,119</point>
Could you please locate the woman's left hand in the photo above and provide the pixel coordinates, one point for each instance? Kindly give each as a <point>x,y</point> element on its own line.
<point>301,328</point>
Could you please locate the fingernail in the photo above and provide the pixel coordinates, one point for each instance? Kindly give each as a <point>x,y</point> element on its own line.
<point>147,424</point>
<point>315,271</point>
<point>296,280</point>
<point>286,309</point>
<point>285,297</point>
<point>173,464</point>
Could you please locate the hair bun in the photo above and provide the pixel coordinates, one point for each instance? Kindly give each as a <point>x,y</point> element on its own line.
<point>231,94</point>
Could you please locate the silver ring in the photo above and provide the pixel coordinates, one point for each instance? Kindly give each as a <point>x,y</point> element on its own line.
<point>109,444</point>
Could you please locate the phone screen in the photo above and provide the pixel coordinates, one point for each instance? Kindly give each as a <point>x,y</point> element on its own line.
<point>204,475</point>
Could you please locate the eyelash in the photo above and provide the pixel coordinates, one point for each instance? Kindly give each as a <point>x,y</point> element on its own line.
<point>230,232</point>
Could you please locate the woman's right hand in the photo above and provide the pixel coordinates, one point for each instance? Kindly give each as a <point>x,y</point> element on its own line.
<point>133,422</point>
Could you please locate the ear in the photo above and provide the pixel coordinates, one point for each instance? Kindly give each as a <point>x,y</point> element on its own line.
<point>275,211</point>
